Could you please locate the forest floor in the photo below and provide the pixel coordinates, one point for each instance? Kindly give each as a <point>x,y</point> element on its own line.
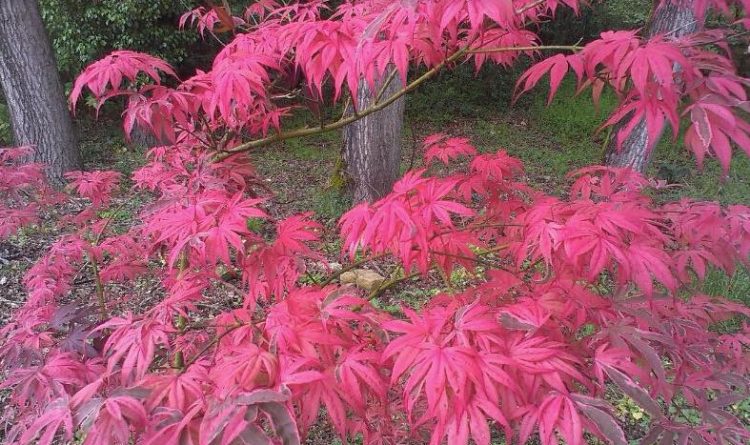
<point>551,141</point>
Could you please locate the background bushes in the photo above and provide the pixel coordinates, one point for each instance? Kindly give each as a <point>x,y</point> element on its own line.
<point>83,30</point>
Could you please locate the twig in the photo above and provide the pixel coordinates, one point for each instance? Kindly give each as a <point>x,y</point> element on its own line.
<point>99,288</point>
<point>502,49</point>
<point>532,5</point>
<point>392,282</point>
<point>232,287</point>
<point>385,85</point>
<point>211,344</point>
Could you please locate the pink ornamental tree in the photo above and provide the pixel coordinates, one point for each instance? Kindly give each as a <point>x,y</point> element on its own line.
<point>572,298</point>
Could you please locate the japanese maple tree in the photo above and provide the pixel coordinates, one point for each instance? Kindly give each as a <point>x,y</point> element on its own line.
<point>572,298</point>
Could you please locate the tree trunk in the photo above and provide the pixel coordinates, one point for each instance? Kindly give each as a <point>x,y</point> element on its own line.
<point>36,101</point>
<point>372,145</point>
<point>675,18</point>
<point>143,138</point>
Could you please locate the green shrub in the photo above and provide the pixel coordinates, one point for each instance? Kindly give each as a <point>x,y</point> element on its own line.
<point>463,92</point>
<point>83,30</point>
<point>6,137</point>
<point>569,27</point>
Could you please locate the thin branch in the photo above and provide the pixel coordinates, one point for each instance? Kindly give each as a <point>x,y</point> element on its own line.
<point>387,82</point>
<point>343,122</point>
<point>503,49</point>
<point>307,131</point>
<point>240,293</point>
<point>392,282</point>
<point>215,341</point>
<point>99,288</point>
<point>95,266</point>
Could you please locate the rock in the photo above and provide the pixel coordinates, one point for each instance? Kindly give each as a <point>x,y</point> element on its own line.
<point>348,277</point>
<point>366,279</point>
<point>327,267</point>
<point>369,280</point>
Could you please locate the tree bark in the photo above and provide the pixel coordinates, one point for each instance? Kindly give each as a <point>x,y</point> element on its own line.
<point>372,145</point>
<point>143,138</point>
<point>676,19</point>
<point>33,91</point>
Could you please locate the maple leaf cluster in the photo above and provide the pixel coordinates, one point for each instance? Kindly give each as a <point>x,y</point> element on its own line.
<point>507,353</point>
<point>23,189</point>
<point>571,299</point>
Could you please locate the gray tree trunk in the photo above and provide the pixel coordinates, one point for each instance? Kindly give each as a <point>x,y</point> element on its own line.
<point>674,18</point>
<point>372,145</point>
<point>143,138</point>
<point>33,90</point>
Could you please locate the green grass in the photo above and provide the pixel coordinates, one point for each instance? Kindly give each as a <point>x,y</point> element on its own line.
<point>330,204</point>
<point>554,139</point>
<point>707,184</point>
<point>463,92</point>
<point>572,119</point>
<point>735,287</point>
<point>103,147</point>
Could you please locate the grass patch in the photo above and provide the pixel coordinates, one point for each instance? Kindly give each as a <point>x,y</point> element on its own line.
<point>735,287</point>
<point>330,204</point>
<point>103,147</point>
<point>572,119</point>
<point>707,184</point>
<point>553,140</point>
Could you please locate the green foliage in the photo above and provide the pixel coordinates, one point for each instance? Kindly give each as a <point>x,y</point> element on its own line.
<point>735,287</point>
<point>742,410</point>
<point>569,27</point>
<point>628,410</point>
<point>312,278</point>
<point>83,30</point>
<point>463,92</point>
<point>255,225</point>
<point>118,213</point>
<point>6,138</point>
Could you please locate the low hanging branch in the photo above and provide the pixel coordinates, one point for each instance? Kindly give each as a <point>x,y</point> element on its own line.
<point>344,121</point>
<point>506,49</point>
